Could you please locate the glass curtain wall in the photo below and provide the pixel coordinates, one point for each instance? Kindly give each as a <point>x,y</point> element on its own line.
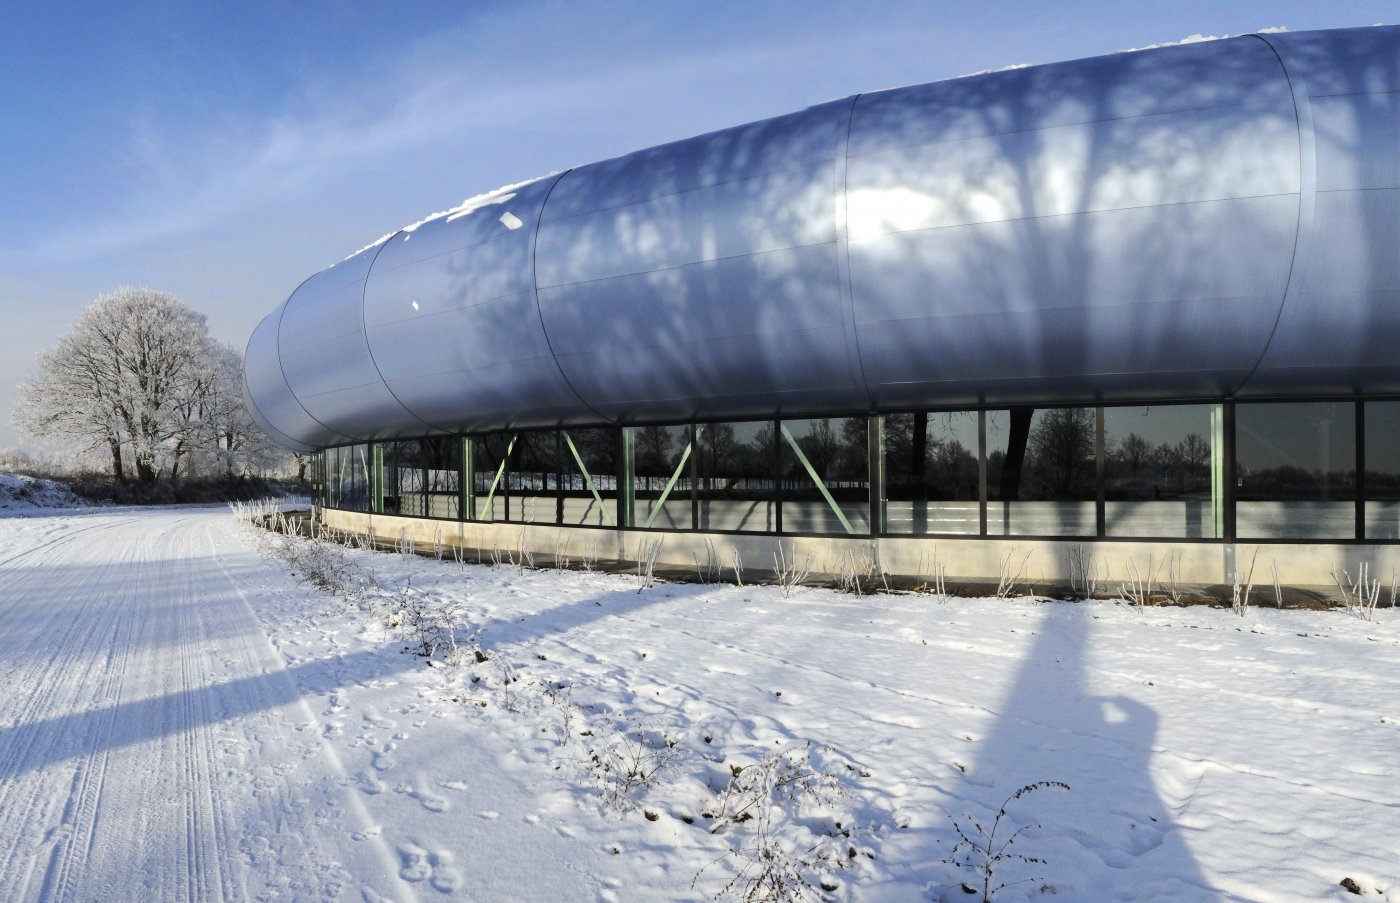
<point>588,469</point>
<point>825,472</point>
<point>1295,470</point>
<point>1158,465</point>
<point>532,473</point>
<point>403,478</point>
<point>737,486</point>
<point>489,490</point>
<point>354,470</point>
<point>931,473</point>
<point>663,458</point>
<point>1158,472</point>
<point>1041,472</point>
<point>1382,483</point>
<point>442,474</point>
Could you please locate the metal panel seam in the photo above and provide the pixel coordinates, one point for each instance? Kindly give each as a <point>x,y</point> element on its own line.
<point>1307,195</point>
<point>283,370</point>
<point>364,328</point>
<point>535,294</point>
<point>843,262</point>
<point>259,417</point>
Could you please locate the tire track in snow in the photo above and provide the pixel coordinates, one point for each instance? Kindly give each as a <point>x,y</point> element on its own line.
<point>59,687</point>
<point>145,744</point>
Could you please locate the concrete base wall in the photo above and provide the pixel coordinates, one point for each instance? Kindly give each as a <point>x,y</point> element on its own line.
<point>1039,565</point>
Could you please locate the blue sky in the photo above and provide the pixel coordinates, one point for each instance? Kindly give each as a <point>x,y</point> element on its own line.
<point>224,152</point>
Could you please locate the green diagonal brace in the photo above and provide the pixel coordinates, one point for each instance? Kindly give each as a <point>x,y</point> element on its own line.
<point>671,484</point>
<point>821,487</point>
<point>510,447</point>
<point>588,479</point>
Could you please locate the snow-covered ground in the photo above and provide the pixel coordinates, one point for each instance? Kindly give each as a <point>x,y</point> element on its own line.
<point>183,719</point>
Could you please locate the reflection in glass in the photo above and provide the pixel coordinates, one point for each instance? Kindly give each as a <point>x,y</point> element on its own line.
<point>1157,470</point>
<point>931,472</point>
<point>588,476</point>
<point>489,489</point>
<point>1041,472</point>
<point>1295,470</point>
<point>1383,470</point>
<point>662,484</point>
<point>737,490</point>
<point>403,478</point>
<point>532,476</point>
<point>825,475</point>
<point>442,471</point>
<point>351,477</point>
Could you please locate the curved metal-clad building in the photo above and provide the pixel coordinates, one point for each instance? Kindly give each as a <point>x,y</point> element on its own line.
<point>1205,221</point>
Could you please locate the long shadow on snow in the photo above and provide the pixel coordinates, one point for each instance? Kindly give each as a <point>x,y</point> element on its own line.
<point>1053,727</point>
<point>34,745</point>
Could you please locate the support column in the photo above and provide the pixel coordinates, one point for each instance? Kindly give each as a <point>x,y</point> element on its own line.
<point>875,450</point>
<point>627,478</point>
<point>376,477</point>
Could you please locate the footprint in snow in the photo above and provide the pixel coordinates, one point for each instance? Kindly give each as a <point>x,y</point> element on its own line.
<point>415,863</point>
<point>373,718</point>
<point>370,784</point>
<point>446,878</point>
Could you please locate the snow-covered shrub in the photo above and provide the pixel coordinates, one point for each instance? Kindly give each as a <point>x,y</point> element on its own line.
<point>792,834</point>
<point>627,758</point>
<point>646,563</point>
<point>788,573</point>
<point>429,622</point>
<point>855,571</point>
<point>1011,575</point>
<point>1362,595</point>
<point>1239,593</point>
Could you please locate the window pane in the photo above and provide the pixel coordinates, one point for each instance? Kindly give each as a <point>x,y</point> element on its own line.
<point>488,475</point>
<point>658,451</point>
<point>590,491</point>
<point>403,478</point>
<point>931,472</point>
<point>1383,470</point>
<point>737,490</point>
<point>334,478</point>
<point>1295,470</point>
<point>355,466</point>
<point>533,478</point>
<point>838,499</point>
<point>442,460</point>
<point>1042,483</point>
<point>1157,464</point>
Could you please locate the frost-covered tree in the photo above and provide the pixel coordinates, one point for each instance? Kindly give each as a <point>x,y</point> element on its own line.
<point>139,378</point>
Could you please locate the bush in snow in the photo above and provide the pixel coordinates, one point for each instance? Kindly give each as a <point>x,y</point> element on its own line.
<point>628,758</point>
<point>982,851</point>
<point>793,837</point>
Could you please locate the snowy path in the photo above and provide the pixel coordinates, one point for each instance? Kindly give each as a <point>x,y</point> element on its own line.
<point>150,741</point>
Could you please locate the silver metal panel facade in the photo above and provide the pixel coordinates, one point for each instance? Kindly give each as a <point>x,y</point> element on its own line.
<point>270,400</point>
<point>1033,231</point>
<point>1339,328</point>
<point>327,359</point>
<point>702,275</point>
<point>1193,222</point>
<point>452,322</point>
